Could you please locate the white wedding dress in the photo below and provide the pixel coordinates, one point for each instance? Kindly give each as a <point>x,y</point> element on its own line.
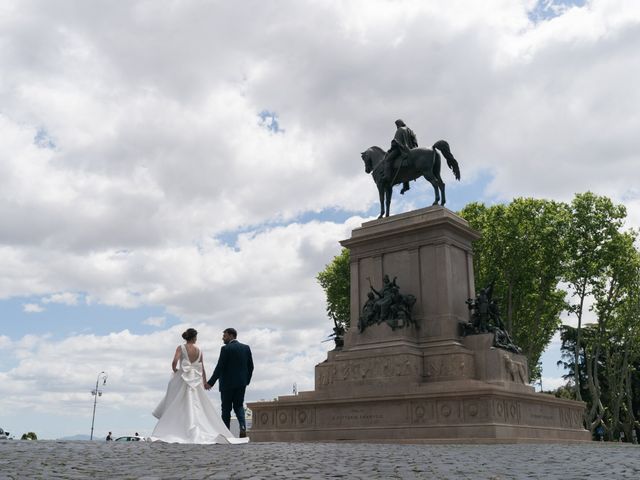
<point>186,414</point>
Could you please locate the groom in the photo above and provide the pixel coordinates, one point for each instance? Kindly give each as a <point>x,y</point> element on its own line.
<point>234,370</point>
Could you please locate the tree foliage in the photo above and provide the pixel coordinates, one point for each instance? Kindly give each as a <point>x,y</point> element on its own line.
<point>603,268</point>
<point>29,436</point>
<point>522,251</point>
<point>335,281</point>
<point>594,223</point>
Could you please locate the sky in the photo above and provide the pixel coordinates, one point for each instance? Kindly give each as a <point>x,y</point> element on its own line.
<point>174,164</point>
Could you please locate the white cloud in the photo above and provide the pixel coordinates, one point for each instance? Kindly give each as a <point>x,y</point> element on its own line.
<point>198,161</point>
<point>32,308</point>
<point>155,321</point>
<point>135,168</point>
<point>272,269</point>
<point>66,298</point>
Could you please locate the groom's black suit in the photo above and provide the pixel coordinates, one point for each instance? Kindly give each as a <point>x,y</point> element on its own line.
<point>234,370</point>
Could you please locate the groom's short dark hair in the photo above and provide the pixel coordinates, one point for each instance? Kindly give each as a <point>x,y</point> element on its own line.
<point>231,331</point>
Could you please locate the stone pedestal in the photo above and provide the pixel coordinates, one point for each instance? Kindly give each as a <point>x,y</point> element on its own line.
<point>421,383</point>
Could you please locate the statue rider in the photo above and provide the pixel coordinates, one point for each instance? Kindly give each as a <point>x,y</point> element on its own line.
<point>403,141</point>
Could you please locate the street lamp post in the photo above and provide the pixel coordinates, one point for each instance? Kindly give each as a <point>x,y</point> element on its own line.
<point>97,393</point>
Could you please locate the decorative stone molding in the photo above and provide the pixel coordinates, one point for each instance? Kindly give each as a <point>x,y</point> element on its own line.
<point>457,414</point>
<point>376,368</point>
<point>448,366</point>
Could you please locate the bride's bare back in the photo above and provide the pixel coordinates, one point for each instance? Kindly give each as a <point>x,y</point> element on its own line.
<point>193,352</point>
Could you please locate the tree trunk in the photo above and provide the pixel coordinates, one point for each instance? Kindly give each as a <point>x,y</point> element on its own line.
<point>576,356</point>
<point>593,416</point>
<point>510,308</point>
<point>597,411</point>
<point>630,422</point>
<point>616,385</point>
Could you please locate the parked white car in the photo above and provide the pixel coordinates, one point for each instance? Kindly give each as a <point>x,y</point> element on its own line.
<point>129,439</point>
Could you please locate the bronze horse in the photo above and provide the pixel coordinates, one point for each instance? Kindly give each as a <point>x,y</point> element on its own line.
<point>420,162</point>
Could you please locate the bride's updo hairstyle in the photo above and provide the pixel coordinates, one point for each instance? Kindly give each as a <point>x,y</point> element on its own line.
<point>189,334</point>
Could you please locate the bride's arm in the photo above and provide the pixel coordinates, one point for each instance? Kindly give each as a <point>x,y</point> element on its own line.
<point>176,357</point>
<point>204,373</point>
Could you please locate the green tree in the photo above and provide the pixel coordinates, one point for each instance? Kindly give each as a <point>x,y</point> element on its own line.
<point>594,222</point>
<point>567,349</point>
<point>522,251</point>
<point>29,436</point>
<point>622,349</point>
<point>611,293</point>
<point>609,350</point>
<point>336,283</point>
<point>564,391</point>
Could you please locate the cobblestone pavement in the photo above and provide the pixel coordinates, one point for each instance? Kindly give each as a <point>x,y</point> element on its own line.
<point>141,460</point>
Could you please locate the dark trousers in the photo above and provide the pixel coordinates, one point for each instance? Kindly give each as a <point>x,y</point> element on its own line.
<point>233,398</point>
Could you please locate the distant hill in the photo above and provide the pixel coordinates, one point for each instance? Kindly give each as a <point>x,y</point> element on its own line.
<point>76,437</point>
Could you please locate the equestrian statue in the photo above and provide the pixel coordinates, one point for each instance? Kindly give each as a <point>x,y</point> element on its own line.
<point>405,161</point>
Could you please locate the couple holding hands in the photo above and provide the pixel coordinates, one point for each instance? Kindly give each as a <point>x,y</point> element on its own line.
<point>186,414</point>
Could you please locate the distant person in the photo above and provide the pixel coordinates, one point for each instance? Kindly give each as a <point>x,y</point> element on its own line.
<point>600,433</point>
<point>234,370</point>
<point>109,437</point>
<point>186,414</point>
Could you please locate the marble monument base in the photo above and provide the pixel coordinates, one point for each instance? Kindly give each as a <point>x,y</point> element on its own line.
<point>422,382</point>
<point>450,412</point>
<point>402,393</point>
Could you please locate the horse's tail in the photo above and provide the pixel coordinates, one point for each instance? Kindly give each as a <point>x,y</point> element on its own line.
<point>443,146</point>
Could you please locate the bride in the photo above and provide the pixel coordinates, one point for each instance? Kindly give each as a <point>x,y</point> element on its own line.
<point>186,414</point>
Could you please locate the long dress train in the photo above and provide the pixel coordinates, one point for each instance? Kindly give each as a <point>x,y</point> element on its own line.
<point>186,414</point>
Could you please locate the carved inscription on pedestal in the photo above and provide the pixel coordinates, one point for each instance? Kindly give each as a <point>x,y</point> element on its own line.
<point>541,415</point>
<point>356,417</point>
<point>368,415</point>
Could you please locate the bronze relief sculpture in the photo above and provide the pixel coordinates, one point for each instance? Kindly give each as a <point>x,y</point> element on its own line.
<point>387,305</point>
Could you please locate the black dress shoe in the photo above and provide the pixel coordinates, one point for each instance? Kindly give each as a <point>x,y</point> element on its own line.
<point>243,434</point>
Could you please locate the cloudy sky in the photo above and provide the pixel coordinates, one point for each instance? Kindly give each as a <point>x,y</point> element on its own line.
<point>167,164</point>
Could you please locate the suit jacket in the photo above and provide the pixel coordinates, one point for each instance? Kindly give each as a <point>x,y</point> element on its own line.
<point>235,366</point>
<point>405,139</point>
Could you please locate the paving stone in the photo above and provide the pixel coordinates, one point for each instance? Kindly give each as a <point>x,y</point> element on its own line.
<point>314,461</point>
